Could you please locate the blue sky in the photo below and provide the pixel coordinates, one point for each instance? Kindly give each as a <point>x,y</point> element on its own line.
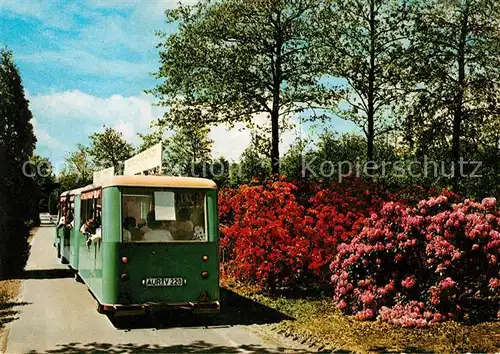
<point>86,64</point>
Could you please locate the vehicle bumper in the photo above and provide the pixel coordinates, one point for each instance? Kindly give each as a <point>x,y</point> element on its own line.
<point>140,309</point>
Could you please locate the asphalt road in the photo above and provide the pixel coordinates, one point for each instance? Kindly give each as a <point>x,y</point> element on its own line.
<point>58,315</point>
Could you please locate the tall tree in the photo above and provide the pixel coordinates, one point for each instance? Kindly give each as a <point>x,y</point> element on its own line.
<point>252,166</point>
<point>109,149</point>
<point>188,151</point>
<point>233,59</point>
<point>78,170</point>
<point>17,142</point>
<point>362,42</point>
<point>40,171</point>
<point>455,61</point>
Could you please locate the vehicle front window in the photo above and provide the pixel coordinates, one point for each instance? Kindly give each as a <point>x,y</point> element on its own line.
<point>152,215</point>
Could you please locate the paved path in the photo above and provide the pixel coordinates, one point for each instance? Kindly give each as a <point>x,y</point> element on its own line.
<point>58,315</point>
<point>47,220</point>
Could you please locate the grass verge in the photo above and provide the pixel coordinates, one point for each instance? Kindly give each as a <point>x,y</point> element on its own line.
<point>319,324</point>
<point>9,292</point>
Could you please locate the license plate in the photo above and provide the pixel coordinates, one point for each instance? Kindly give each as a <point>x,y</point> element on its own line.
<point>177,281</point>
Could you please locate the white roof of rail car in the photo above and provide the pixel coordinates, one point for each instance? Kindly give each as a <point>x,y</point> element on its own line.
<point>76,191</point>
<point>158,181</point>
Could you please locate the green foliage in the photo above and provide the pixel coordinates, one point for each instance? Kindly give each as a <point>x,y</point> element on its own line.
<point>293,162</point>
<point>78,170</point>
<point>362,42</point>
<point>186,153</point>
<point>109,149</point>
<point>54,200</point>
<point>454,55</point>
<point>337,148</point>
<point>69,180</point>
<point>219,172</point>
<point>18,249</point>
<point>188,150</point>
<point>41,170</point>
<point>233,59</point>
<point>151,138</point>
<point>252,167</point>
<point>16,131</point>
<point>17,191</point>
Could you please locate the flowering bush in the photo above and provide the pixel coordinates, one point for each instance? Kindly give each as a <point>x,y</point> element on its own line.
<point>412,314</point>
<point>419,258</point>
<point>270,236</point>
<point>335,215</point>
<point>261,234</point>
<point>438,255</point>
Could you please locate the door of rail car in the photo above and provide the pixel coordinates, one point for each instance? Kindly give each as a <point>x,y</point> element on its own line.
<point>64,226</point>
<point>89,238</point>
<point>58,232</point>
<point>68,231</point>
<point>75,233</point>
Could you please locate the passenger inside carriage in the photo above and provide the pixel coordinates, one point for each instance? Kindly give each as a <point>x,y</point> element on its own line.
<point>156,233</point>
<point>170,216</point>
<point>129,224</point>
<point>92,229</point>
<point>142,226</point>
<point>182,229</point>
<point>68,217</point>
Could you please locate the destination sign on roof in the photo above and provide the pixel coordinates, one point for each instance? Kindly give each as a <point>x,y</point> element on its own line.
<point>101,177</point>
<point>95,194</point>
<point>146,160</point>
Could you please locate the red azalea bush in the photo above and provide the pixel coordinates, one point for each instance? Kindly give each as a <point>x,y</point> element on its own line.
<point>335,215</point>
<point>416,265</point>
<point>261,235</point>
<point>285,234</point>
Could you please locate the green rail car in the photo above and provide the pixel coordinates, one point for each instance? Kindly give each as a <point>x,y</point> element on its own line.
<point>143,242</point>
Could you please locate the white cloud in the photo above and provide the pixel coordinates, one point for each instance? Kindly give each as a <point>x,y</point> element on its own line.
<point>231,143</point>
<point>127,130</point>
<point>74,115</point>
<point>41,10</point>
<point>82,62</point>
<point>44,139</point>
<point>76,104</point>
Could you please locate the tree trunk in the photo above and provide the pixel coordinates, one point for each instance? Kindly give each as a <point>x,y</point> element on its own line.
<point>458,101</point>
<point>275,112</point>
<point>275,141</point>
<point>371,133</point>
<point>371,87</point>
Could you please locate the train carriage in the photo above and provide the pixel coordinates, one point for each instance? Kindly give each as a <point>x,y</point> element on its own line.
<point>65,232</point>
<point>61,230</point>
<point>143,242</point>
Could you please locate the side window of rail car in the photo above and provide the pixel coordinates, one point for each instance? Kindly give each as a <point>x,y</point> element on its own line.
<point>150,215</point>
<point>61,217</point>
<point>69,213</point>
<point>90,213</point>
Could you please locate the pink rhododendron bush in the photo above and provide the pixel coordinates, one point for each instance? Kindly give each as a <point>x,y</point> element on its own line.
<point>415,265</point>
